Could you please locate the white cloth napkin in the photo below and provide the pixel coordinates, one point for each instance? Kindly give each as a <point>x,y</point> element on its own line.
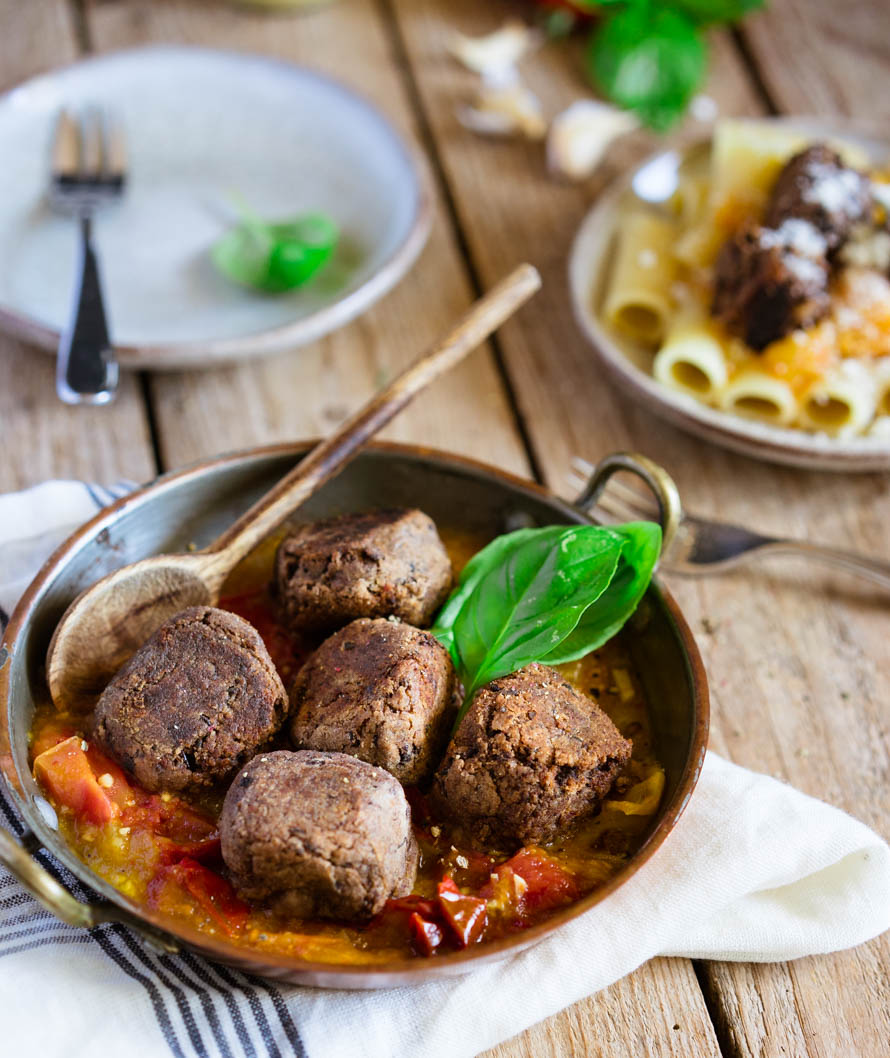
<point>754,871</point>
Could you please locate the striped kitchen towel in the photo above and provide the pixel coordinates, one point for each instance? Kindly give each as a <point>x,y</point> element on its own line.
<point>754,871</point>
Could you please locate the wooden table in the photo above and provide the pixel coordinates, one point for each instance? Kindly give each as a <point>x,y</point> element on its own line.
<point>798,658</point>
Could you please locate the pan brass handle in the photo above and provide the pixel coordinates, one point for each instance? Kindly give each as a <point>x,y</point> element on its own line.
<point>656,477</point>
<point>17,858</point>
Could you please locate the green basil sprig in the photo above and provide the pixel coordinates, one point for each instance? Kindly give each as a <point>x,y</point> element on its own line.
<point>550,595</point>
<point>649,56</point>
<point>275,257</point>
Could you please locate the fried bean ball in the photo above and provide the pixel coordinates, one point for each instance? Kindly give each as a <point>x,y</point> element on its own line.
<point>375,564</point>
<point>531,756</point>
<point>318,835</point>
<point>381,690</point>
<point>193,704</point>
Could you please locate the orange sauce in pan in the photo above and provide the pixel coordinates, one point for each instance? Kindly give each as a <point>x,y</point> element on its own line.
<point>161,850</point>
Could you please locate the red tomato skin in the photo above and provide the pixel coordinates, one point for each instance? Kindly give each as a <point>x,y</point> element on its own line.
<point>410,904</point>
<point>466,916</point>
<point>426,936</point>
<point>65,773</point>
<point>213,893</point>
<point>549,883</point>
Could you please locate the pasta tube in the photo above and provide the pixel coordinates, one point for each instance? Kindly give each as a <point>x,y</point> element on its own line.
<point>638,300</point>
<point>746,159</point>
<point>754,394</point>
<point>692,359</point>
<point>841,403</point>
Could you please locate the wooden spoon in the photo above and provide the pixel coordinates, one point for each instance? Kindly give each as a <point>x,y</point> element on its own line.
<point>109,621</point>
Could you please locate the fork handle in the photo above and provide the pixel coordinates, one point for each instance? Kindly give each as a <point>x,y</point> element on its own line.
<point>86,370</point>
<point>874,569</point>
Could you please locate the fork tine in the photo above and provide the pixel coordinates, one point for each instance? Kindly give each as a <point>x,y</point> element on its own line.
<point>636,501</point>
<point>66,146</point>
<point>115,149</point>
<point>626,502</point>
<point>613,508</point>
<point>91,144</point>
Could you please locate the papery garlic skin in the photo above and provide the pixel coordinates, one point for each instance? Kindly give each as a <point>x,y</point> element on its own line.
<point>497,54</point>
<point>504,109</point>
<point>581,134</point>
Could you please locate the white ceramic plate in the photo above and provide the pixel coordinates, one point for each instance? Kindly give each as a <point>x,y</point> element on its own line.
<point>201,126</point>
<point>630,364</point>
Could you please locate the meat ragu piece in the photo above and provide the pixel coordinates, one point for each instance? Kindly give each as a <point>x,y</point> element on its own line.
<point>817,187</point>
<point>532,756</point>
<point>769,282</point>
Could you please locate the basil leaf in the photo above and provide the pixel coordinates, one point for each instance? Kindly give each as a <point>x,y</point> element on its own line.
<point>548,595</point>
<point>472,573</point>
<point>599,623</point>
<point>648,59</point>
<point>275,257</point>
<point>532,597</point>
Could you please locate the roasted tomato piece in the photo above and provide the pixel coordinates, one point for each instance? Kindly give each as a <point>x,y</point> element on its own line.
<point>209,849</point>
<point>426,936</point>
<point>178,830</point>
<point>411,904</point>
<point>465,915</point>
<point>548,883</point>
<point>214,894</point>
<point>70,777</point>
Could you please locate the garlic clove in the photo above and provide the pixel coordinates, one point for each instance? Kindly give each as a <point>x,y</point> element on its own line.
<point>496,53</point>
<point>504,109</point>
<point>581,134</point>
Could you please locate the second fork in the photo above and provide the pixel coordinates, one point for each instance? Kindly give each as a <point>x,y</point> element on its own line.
<point>87,172</point>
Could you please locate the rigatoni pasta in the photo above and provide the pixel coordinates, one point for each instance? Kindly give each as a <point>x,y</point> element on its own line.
<point>755,394</point>
<point>841,403</point>
<point>693,357</point>
<point>762,287</point>
<point>638,301</point>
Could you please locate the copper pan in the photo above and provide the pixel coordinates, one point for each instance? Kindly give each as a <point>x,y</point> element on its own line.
<point>192,506</point>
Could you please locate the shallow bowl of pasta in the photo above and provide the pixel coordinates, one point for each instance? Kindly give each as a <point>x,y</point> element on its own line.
<point>740,288</point>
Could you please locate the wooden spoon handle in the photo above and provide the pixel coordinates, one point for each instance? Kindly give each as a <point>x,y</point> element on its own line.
<point>332,454</point>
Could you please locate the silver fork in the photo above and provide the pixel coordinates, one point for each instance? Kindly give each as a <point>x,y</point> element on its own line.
<point>88,171</point>
<point>694,545</point>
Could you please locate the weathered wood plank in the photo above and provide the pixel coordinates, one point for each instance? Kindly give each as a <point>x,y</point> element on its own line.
<point>307,392</point>
<point>39,436</point>
<point>796,658</point>
<point>819,57</point>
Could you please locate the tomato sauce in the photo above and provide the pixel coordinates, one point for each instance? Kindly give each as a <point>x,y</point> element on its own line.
<point>162,850</point>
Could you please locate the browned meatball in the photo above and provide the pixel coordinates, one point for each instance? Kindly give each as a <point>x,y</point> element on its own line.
<point>318,835</point>
<point>815,186</point>
<point>380,690</point>
<point>770,282</point>
<point>193,704</point>
<point>375,564</point>
<point>531,756</point>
